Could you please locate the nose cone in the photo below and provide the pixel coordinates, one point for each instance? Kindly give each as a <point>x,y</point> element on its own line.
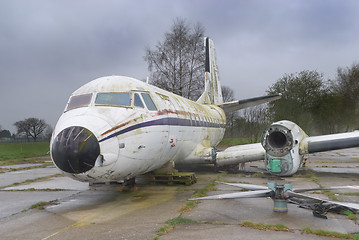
<point>75,150</point>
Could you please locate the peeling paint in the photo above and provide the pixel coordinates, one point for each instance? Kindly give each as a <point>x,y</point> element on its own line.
<point>179,130</point>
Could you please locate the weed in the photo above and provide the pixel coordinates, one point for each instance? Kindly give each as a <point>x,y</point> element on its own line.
<point>42,205</point>
<point>258,174</point>
<point>330,195</point>
<point>171,223</point>
<point>262,226</point>
<point>188,206</point>
<point>203,191</point>
<point>350,215</point>
<point>311,176</point>
<point>320,232</point>
<point>349,194</point>
<point>34,180</point>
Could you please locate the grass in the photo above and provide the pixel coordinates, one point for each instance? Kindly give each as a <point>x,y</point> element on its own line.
<point>171,223</point>
<point>307,230</point>
<point>350,215</point>
<point>311,175</point>
<point>262,226</point>
<point>190,204</point>
<point>324,233</point>
<point>350,194</point>
<point>330,195</point>
<point>258,174</point>
<point>33,180</point>
<point>10,152</point>
<point>41,205</point>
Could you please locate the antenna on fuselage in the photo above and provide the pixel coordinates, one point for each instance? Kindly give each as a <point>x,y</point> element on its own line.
<point>147,80</point>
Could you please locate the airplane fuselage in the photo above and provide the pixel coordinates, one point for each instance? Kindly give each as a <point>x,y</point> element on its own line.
<point>115,128</point>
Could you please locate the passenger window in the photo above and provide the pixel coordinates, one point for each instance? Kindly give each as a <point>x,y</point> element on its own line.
<point>138,102</point>
<point>148,101</point>
<point>114,99</point>
<point>79,101</point>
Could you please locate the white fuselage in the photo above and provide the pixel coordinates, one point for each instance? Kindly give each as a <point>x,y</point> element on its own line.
<point>136,137</point>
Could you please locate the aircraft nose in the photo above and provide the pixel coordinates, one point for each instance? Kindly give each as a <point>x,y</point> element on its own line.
<point>75,150</point>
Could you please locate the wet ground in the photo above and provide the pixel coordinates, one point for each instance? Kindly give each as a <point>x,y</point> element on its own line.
<point>76,211</point>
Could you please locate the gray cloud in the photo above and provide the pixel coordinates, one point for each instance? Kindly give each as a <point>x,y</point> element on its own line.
<point>50,48</point>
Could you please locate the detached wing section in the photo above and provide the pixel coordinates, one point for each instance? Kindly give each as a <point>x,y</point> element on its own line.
<point>240,154</point>
<point>283,146</point>
<point>331,142</point>
<point>245,103</point>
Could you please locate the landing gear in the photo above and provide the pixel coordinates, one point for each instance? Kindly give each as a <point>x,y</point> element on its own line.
<point>231,168</point>
<point>125,186</point>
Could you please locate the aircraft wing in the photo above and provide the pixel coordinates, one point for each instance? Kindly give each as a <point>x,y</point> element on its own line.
<point>245,103</point>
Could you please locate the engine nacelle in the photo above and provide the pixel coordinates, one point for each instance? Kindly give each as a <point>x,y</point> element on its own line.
<point>281,141</point>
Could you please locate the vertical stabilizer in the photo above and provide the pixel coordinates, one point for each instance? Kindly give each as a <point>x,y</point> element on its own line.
<point>212,92</point>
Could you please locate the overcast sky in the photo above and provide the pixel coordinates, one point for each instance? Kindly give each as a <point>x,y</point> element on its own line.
<point>48,48</point>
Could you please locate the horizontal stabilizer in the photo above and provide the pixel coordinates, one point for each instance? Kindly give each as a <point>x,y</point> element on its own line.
<point>245,103</point>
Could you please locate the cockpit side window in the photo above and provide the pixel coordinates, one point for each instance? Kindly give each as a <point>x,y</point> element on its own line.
<point>138,102</point>
<point>113,99</point>
<point>148,101</point>
<point>79,101</point>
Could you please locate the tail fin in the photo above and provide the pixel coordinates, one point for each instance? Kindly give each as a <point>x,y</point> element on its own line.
<point>212,89</point>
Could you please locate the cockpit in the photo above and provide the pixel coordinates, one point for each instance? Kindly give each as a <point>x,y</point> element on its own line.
<point>113,99</point>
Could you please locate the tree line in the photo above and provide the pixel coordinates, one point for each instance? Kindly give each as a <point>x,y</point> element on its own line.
<point>318,105</point>
<point>28,129</point>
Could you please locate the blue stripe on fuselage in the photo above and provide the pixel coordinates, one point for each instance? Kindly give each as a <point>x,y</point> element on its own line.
<point>165,121</point>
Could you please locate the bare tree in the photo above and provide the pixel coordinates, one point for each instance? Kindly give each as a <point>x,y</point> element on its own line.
<point>177,63</point>
<point>228,95</point>
<point>252,122</point>
<point>31,127</point>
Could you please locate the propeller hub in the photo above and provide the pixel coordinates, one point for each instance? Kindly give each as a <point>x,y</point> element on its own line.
<point>280,205</point>
<point>279,195</point>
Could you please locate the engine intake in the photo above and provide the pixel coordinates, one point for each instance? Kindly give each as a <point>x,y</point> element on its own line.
<point>277,140</point>
<point>281,143</point>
